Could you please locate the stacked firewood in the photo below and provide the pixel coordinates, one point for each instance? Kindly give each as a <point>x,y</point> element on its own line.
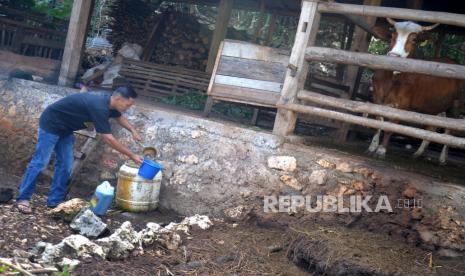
<point>131,21</point>
<point>182,41</point>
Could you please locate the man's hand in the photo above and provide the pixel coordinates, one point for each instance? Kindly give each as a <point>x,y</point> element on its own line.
<point>136,136</point>
<point>110,140</point>
<point>137,159</point>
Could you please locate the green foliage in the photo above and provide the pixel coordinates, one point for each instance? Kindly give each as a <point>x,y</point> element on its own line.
<point>378,47</point>
<point>5,269</point>
<point>65,272</point>
<point>192,100</point>
<point>60,10</point>
<point>233,110</point>
<point>195,100</point>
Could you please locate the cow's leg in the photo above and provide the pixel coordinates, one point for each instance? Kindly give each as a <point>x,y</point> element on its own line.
<point>424,144</point>
<point>375,140</point>
<point>381,150</point>
<point>444,152</point>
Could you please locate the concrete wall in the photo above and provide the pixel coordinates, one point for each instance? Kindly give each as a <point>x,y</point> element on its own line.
<point>220,169</point>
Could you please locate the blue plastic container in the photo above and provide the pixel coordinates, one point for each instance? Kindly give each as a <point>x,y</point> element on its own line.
<point>102,199</point>
<point>149,169</point>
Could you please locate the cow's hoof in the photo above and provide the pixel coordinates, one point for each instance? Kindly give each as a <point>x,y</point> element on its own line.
<point>380,152</point>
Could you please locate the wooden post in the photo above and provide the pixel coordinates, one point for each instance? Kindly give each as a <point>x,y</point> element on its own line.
<point>221,27</point>
<point>75,40</point>
<point>360,43</point>
<point>298,68</point>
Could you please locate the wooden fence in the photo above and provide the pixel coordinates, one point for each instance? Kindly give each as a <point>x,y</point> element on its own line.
<point>28,33</point>
<point>303,50</point>
<point>158,81</point>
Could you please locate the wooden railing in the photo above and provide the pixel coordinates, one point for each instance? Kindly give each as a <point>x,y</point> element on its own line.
<point>304,50</point>
<point>29,34</point>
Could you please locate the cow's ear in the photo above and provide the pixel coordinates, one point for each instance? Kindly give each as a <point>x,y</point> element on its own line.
<point>382,32</point>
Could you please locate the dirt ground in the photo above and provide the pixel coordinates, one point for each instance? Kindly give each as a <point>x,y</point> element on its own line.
<point>259,246</point>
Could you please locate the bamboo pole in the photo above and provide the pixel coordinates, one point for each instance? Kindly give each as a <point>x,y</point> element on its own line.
<point>384,111</point>
<point>387,63</point>
<point>444,139</point>
<point>407,14</point>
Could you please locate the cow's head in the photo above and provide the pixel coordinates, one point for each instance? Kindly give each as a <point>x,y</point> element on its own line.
<point>405,37</point>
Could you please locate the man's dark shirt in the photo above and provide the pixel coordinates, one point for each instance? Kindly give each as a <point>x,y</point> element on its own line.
<point>76,112</point>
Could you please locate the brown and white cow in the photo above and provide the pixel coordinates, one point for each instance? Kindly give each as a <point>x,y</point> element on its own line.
<point>410,91</point>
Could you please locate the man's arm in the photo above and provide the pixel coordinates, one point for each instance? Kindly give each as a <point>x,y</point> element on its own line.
<point>110,140</point>
<point>122,121</point>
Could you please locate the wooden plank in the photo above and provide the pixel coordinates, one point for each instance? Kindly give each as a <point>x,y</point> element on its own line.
<point>251,69</point>
<point>444,139</point>
<point>150,45</point>
<point>384,111</point>
<point>37,41</point>
<point>32,28</point>
<point>46,68</point>
<point>295,76</point>
<point>248,83</point>
<point>247,50</point>
<point>244,95</point>
<point>167,68</point>
<point>219,34</point>
<point>167,75</point>
<point>78,24</point>
<point>166,79</point>
<point>399,13</point>
<point>388,63</point>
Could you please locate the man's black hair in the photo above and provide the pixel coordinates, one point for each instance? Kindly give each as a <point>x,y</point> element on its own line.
<point>126,92</point>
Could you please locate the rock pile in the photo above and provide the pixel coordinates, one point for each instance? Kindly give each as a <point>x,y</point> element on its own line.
<point>124,242</point>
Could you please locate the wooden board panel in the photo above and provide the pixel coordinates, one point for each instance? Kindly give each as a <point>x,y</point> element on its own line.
<point>245,95</point>
<point>246,50</point>
<point>248,83</point>
<point>167,68</point>
<point>46,68</point>
<point>251,69</point>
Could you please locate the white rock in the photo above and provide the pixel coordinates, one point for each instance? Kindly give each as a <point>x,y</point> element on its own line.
<point>70,263</point>
<point>51,253</point>
<point>170,240</point>
<point>284,163</point>
<point>201,221</point>
<point>237,213</point>
<point>174,227</point>
<point>75,245</point>
<point>131,50</point>
<point>191,159</point>
<point>291,182</point>
<point>88,224</point>
<point>122,242</point>
<point>82,246</point>
<point>318,177</point>
<point>196,134</point>
<point>150,234</point>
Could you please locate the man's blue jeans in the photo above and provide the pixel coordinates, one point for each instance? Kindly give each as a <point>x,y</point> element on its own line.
<point>46,144</point>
